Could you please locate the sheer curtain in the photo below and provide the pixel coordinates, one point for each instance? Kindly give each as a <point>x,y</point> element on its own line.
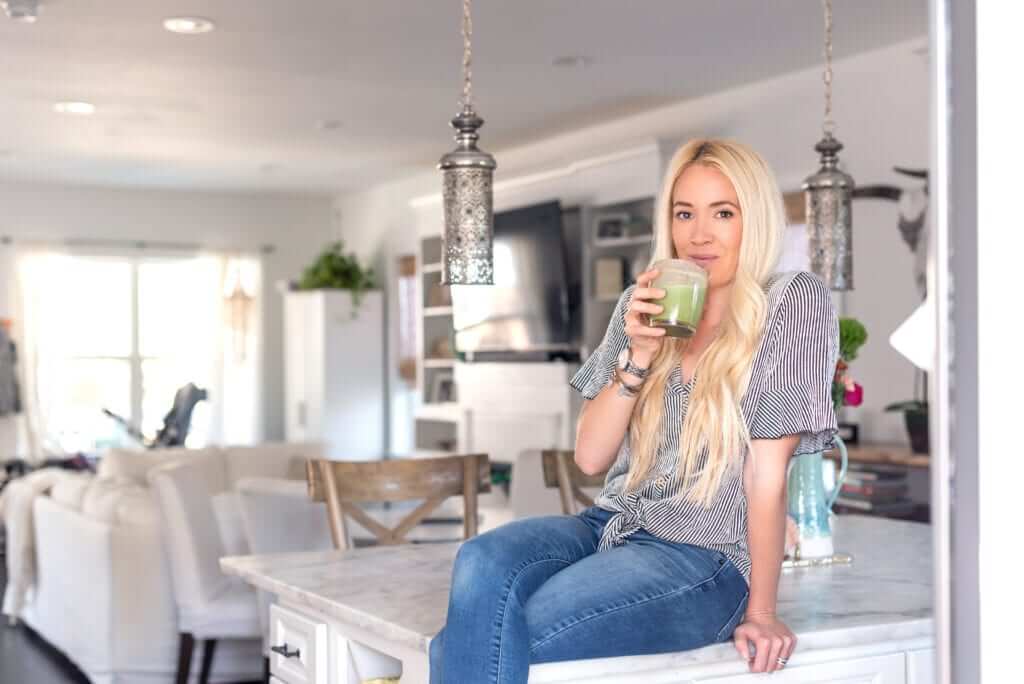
<point>123,332</point>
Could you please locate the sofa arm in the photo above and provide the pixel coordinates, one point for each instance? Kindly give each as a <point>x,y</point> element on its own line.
<point>111,575</point>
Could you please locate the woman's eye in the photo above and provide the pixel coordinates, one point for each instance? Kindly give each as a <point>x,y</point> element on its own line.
<point>725,213</point>
<point>683,215</point>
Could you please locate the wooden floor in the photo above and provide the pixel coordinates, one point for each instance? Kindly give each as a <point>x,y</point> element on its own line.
<point>26,658</point>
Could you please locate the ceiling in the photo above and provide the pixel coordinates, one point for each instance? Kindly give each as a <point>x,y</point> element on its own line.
<point>239,108</point>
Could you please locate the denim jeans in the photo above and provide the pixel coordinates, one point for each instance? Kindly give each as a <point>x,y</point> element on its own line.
<point>536,591</point>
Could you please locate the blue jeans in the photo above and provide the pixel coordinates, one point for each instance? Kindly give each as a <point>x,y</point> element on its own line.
<point>536,591</point>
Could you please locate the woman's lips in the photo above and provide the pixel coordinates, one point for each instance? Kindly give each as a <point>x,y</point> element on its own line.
<point>703,260</point>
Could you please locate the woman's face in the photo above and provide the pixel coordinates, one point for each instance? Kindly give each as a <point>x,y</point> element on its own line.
<point>707,226</point>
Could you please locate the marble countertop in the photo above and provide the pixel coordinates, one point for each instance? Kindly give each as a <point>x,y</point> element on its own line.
<point>884,595</point>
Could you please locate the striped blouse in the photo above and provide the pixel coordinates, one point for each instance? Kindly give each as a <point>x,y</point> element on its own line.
<point>789,393</point>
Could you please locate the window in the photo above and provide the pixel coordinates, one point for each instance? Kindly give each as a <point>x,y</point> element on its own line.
<point>123,334</point>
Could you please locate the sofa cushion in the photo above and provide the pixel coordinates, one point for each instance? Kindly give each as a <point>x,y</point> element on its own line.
<point>135,464</point>
<point>69,491</point>
<point>228,511</point>
<point>101,498</point>
<point>281,460</point>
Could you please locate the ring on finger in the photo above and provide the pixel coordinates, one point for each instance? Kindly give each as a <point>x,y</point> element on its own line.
<point>782,661</point>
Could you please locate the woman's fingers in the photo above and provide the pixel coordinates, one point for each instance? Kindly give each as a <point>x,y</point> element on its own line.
<point>764,647</point>
<point>645,307</point>
<point>641,293</point>
<point>788,646</point>
<point>637,329</point>
<point>739,640</point>
<point>775,654</point>
<point>645,278</point>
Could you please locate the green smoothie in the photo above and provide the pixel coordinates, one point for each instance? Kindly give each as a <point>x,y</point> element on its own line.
<point>683,305</point>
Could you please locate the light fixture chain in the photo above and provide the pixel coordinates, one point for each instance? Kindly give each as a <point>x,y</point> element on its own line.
<point>829,125</point>
<point>467,55</point>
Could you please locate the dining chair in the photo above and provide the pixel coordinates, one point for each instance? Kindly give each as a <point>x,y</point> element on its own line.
<point>560,470</point>
<point>347,485</point>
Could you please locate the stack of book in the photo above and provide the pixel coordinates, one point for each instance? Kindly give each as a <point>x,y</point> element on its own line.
<point>876,490</point>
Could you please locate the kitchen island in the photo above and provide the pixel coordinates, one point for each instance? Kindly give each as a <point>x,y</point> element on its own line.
<point>344,617</point>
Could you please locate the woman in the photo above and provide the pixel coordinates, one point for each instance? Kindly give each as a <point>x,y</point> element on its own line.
<point>684,545</point>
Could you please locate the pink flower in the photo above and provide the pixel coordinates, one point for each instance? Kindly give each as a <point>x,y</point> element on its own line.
<point>854,396</point>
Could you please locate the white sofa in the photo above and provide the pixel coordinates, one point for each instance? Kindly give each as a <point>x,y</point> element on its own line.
<point>102,591</point>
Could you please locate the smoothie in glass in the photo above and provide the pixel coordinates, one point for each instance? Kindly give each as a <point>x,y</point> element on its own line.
<point>685,285</point>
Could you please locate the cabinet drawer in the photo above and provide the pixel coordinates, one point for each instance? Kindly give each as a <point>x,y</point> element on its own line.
<point>887,669</point>
<point>301,647</point>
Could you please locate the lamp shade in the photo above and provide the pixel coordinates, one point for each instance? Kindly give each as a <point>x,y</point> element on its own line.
<point>830,218</point>
<point>468,194</point>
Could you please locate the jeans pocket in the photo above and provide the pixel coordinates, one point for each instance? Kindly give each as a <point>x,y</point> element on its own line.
<point>734,620</point>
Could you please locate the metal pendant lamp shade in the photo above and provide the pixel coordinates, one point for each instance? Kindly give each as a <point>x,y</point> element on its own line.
<point>468,190</point>
<point>468,207</point>
<point>828,194</point>
<point>829,218</point>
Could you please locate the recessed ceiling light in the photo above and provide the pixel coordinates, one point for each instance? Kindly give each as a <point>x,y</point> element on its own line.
<point>572,61</point>
<point>84,108</point>
<point>25,11</point>
<point>188,25</point>
<point>328,124</point>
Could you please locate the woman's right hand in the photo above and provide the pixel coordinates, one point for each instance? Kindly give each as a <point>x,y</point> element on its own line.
<point>644,340</point>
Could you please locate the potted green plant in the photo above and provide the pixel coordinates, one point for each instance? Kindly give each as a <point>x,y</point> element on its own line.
<point>915,417</point>
<point>852,336</point>
<point>335,270</point>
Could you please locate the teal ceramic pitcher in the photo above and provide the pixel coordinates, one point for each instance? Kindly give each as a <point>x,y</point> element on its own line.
<point>809,504</point>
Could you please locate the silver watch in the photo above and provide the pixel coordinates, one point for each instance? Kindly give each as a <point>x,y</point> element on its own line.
<point>626,364</point>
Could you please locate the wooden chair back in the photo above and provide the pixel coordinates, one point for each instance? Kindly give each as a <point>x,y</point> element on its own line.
<point>560,470</point>
<point>343,485</point>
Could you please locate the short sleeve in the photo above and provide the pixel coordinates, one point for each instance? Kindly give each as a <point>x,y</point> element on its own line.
<point>597,370</point>
<point>796,389</point>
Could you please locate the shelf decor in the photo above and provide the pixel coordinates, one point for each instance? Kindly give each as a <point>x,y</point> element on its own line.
<point>468,191</point>
<point>828,193</point>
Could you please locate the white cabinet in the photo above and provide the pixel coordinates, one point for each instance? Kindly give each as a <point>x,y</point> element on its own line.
<point>921,666</point>
<point>334,372</point>
<point>298,647</point>
<point>886,669</point>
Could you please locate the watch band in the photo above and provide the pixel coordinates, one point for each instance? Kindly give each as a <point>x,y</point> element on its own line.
<point>626,364</point>
<point>633,369</point>
<point>624,388</point>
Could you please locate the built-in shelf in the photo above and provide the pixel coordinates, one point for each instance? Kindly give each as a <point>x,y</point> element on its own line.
<point>432,268</point>
<point>437,311</point>
<point>447,411</point>
<point>438,363</point>
<point>624,241</point>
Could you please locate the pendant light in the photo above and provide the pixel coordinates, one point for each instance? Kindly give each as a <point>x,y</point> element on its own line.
<point>468,172</point>
<point>828,193</point>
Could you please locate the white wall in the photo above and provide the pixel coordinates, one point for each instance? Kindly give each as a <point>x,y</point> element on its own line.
<point>881,107</point>
<point>297,227</point>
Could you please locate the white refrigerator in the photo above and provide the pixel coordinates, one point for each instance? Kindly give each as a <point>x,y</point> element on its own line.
<point>334,372</point>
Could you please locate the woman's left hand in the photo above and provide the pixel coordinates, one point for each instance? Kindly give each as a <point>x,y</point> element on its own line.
<point>765,642</point>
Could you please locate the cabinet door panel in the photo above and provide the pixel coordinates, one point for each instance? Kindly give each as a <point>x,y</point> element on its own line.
<point>888,669</point>
<point>921,667</point>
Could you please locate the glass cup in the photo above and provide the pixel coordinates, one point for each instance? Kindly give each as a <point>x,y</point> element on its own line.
<point>686,286</point>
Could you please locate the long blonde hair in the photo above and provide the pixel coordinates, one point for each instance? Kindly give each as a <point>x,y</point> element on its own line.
<point>714,433</point>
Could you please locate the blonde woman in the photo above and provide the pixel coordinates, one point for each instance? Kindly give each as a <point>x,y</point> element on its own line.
<point>684,544</point>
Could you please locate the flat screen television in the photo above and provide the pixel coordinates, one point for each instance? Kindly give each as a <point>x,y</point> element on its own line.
<point>527,308</point>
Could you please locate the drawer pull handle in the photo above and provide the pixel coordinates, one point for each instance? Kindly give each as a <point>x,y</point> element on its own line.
<point>283,650</point>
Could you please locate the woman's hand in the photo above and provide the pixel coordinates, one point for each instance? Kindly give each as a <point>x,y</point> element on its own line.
<point>763,640</point>
<point>644,340</point>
